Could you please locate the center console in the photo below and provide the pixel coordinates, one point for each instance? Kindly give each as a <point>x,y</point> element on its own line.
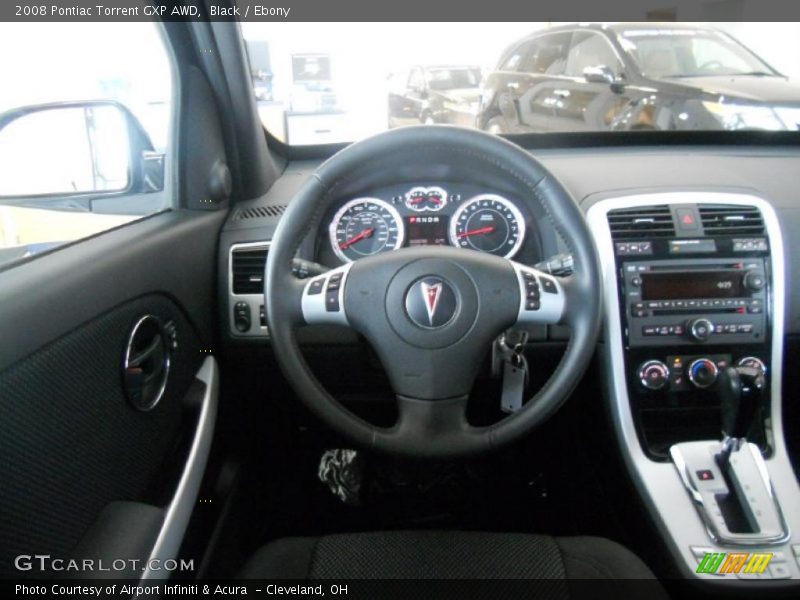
<point>694,292</point>
<point>694,284</point>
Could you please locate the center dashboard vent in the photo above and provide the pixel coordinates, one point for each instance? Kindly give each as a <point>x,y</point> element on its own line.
<point>247,269</point>
<point>641,222</point>
<point>731,219</point>
<point>261,212</point>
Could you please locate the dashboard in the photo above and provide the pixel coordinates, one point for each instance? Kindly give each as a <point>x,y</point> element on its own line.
<point>696,279</point>
<point>428,214</point>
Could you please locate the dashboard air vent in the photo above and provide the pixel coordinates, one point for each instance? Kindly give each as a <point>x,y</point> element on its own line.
<point>730,219</point>
<point>261,212</point>
<point>247,265</point>
<point>641,222</point>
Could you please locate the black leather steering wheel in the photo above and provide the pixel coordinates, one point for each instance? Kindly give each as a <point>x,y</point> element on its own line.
<point>432,356</point>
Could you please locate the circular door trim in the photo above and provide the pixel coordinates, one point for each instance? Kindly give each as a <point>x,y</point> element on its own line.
<point>131,362</point>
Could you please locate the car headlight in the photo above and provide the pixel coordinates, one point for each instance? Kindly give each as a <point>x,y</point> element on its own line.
<point>743,116</point>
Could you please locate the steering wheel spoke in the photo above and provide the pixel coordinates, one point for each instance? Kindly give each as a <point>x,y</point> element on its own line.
<point>432,427</point>
<point>323,300</point>
<point>543,298</point>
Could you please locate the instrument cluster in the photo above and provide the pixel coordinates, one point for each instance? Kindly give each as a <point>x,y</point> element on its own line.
<point>426,215</point>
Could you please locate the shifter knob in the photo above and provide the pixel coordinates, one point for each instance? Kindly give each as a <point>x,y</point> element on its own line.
<point>740,391</point>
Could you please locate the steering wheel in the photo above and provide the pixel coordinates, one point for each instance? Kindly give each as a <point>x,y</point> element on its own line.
<point>432,312</point>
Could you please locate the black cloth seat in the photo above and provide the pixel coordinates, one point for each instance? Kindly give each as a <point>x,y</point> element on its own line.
<point>448,555</point>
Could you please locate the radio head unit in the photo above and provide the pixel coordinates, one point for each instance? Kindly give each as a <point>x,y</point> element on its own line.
<point>695,301</point>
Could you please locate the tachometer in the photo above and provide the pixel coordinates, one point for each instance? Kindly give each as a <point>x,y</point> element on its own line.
<point>365,226</point>
<point>488,223</point>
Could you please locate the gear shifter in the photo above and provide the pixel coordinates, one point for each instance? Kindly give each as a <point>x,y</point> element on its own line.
<point>740,390</point>
<point>729,481</point>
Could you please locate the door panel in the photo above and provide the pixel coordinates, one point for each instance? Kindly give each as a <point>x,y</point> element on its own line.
<point>71,441</point>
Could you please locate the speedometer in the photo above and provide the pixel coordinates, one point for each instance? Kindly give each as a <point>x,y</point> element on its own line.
<point>365,226</point>
<point>488,223</point>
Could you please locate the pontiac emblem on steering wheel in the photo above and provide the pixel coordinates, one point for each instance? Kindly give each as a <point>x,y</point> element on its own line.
<point>431,302</point>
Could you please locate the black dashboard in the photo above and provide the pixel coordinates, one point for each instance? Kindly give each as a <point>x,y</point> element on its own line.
<point>590,174</point>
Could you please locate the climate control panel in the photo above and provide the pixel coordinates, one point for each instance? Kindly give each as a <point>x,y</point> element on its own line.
<point>679,373</point>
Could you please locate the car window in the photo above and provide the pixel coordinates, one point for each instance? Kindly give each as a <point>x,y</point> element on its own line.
<point>591,49</point>
<point>452,79</point>
<point>84,134</point>
<point>514,60</point>
<point>691,53</point>
<point>548,54</point>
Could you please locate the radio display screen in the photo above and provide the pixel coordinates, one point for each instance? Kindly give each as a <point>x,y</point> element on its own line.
<point>690,285</point>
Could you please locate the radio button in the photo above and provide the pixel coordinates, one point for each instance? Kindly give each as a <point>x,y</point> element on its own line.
<point>754,281</point>
<point>649,330</point>
<point>755,310</point>
<point>700,329</point>
<point>745,328</point>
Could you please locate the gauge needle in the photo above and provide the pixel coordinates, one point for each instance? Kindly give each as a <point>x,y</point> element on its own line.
<point>488,229</point>
<point>357,238</point>
<point>421,199</point>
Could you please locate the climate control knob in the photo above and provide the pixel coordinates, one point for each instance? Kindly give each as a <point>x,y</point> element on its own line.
<point>653,374</point>
<point>702,372</point>
<point>753,362</point>
<point>700,329</point>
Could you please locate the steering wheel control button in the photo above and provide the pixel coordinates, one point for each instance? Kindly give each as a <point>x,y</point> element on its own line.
<point>431,302</point>
<point>334,282</point>
<point>332,302</point>
<point>321,301</point>
<point>532,297</point>
<point>548,285</point>
<point>316,286</point>
<point>653,374</point>
<point>536,307</point>
<point>702,373</point>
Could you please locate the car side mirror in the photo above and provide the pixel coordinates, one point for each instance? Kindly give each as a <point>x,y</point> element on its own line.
<point>599,74</point>
<point>76,149</point>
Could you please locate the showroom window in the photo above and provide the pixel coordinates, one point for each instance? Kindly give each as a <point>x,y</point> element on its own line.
<point>84,132</point>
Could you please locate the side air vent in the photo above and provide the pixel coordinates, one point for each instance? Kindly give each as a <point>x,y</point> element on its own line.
<point>261,212</point>
<point>730,219</point>
<point>247,266</point>
<point>641,222</point>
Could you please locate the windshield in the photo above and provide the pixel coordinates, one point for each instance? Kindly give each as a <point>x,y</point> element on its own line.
<point>690,53</point>
<point>317,84</point>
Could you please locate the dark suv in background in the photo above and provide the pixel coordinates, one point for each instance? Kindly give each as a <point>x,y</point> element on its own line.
<point>435,94</point>
<point>635,76</point>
